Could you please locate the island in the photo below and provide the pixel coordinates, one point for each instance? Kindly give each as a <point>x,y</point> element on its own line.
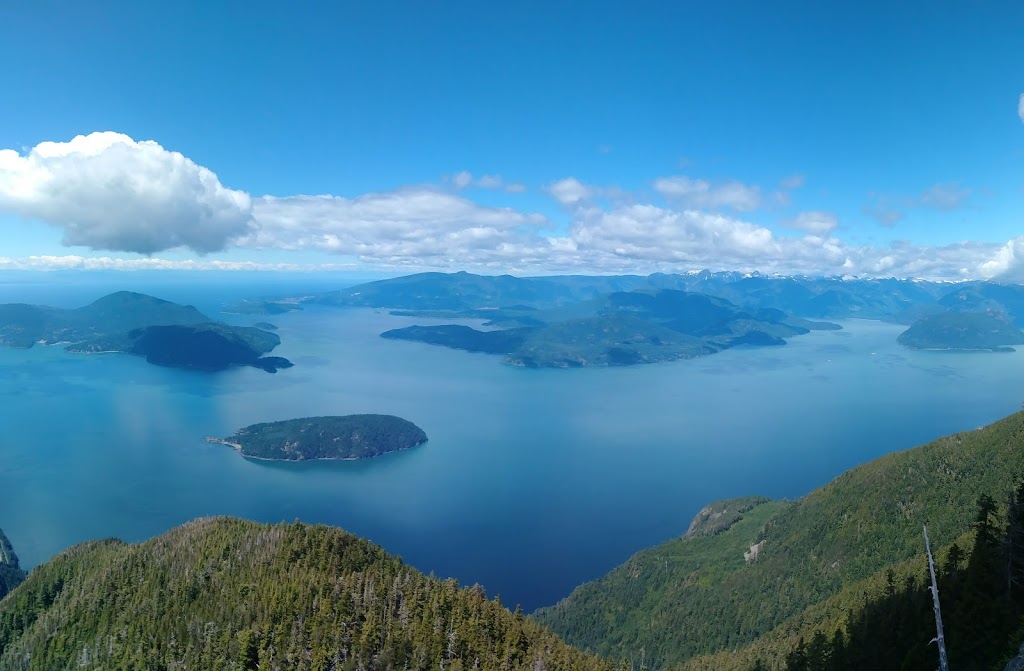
<point>165,333</point>
<point>340,437</point>
<point>621,329</point>
<point>963,331</point>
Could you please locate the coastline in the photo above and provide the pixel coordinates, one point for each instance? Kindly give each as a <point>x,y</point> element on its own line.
<point>238,448</point>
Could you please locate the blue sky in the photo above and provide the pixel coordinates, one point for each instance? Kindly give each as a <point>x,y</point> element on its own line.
<point>868,139</point>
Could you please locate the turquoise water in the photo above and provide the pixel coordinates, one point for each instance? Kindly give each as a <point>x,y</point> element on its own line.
<point>533,480</point>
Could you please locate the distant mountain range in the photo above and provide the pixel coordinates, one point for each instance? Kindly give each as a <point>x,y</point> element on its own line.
<point>569,321</point>
<point>166,333</point>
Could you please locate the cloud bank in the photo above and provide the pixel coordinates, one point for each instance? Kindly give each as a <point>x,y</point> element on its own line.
<point>108,192</point>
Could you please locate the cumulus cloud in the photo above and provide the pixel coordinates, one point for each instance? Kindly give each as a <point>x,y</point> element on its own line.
<point>701,193</point>
<point>570,191</point>
<point>814,222</point>
<point>107,191</point>
<point>395,226</point>
<point>1007,263</point>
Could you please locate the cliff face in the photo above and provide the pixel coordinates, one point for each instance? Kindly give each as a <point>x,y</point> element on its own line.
<point>11,574</point>
<point>1017,663</point>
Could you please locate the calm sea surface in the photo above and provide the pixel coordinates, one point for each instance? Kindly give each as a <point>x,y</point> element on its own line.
<point>533,480</point>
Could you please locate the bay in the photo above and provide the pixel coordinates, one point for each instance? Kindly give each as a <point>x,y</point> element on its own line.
<point>533,481</point>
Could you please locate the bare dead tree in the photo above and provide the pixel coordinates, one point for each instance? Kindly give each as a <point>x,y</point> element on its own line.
<point>940,638</point>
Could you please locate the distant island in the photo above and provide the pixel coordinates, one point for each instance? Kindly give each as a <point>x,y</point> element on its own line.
<point>622,329</point>
<point>165,333</point>
<point>963,331</point>
<point>344,437</point>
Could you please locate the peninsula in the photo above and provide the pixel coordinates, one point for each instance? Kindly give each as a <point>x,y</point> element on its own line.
<point>344,437</point>
<point>963,331</point>
<point>165,333</point>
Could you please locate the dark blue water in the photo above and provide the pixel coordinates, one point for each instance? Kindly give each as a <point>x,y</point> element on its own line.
<point>533,480</point>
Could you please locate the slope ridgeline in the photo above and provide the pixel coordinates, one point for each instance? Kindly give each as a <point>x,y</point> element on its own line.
<point>230,594</point>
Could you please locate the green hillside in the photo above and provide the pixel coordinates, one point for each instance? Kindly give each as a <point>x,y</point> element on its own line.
<point>699,595</point>
<point>963,331</point>
<point>166,333</point>
<point>337,437</point>
<point>229,594</point>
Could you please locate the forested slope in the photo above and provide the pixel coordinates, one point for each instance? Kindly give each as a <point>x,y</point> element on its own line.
<point>699,595</point>
<point>229,594</point>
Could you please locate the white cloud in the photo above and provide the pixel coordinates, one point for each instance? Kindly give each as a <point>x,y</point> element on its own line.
<point>75,262</point>
<point>570,191</point>
<point>814,222</point>
<point>107,191</point>
<point>1007,263</point>
<point>701,193</point>
<point>396,226</point>
<point>1020,107</point>
<point>464,179</point>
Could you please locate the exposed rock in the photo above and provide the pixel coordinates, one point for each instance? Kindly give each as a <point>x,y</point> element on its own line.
<point>752,554</point>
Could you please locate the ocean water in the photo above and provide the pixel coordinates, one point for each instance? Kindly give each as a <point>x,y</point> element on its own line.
<point>533,481</point>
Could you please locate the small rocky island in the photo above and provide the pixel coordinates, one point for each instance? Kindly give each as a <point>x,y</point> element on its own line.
<point>344,437</point>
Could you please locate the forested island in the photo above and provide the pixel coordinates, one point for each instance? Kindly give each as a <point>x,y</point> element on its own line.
<point>963,331</point>
<point>621,329</point>
<point>165,333</point>
<point>343,437</point>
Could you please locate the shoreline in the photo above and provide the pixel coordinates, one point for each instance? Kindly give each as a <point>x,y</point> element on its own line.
<point>238,448</point>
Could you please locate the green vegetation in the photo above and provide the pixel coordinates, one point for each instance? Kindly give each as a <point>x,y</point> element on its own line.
<point>342,437</point>
<point>963,331</point>
<point>11,574</point>
<point>697,598</point>
<point>623,328</point>
<point>165,333</point>
<point>982,597</point>
<point>224,594</point>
